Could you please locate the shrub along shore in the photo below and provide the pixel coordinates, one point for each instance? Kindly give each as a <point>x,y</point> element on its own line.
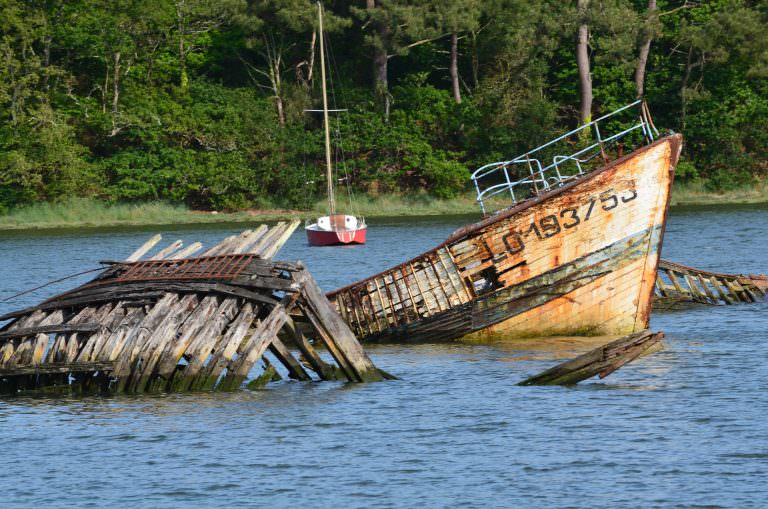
<point>90,213</point>
<point>213,105</point>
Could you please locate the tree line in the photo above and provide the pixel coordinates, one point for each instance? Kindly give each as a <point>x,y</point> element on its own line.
<point>204,102</point>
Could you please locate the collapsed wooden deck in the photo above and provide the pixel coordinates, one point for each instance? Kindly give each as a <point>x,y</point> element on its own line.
<point>677,285</point>
<point>175,323</point>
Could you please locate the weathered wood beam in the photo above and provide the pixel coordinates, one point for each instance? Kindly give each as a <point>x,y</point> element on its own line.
<point>66,367</point>
<point>144,248</point>
<point>47,329</point>
<point>601,361</point>
<point>335,333</point>
<point>258,343</point>
<point>166,252</point>
<point>227,347</point>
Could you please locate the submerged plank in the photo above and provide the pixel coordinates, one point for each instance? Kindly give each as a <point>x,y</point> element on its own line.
<point>601,361</point>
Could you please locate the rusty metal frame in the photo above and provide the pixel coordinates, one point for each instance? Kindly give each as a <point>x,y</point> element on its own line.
<point>227,266</point>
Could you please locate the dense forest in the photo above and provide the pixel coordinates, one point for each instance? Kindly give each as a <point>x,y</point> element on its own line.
<point>203,102</point>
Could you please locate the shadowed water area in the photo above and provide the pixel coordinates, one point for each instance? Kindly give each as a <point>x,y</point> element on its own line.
<point>681,428</point>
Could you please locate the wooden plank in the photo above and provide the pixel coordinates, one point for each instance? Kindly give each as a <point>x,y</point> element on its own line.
<point>253,237</point>
<point>6,351</point>
<point>30,350</point>
<point>724,295</point>
<point>324,370</point>
<point>735,290</point>
<point>327,340</point>
<point>465,282</point>
<point>458,289</point>
<point>384,303</point>
<point>57,352</point>
<point>124,292</point>
<point>144,248</point>
<point>220,247</point>
<point>109,317</point>
<point>355,311</point>
<point>157,343</point>
<point>255,347</point>
<point>339,339</point>
<point>272,235</point>
<point>67,367</point>
<point>163,253</point>
<point>422,292</point>
<point>341,307</point>
<point>226,349</point>
<point>750,291</point>
<point>391,301</point>
<point>704,283</point>
<point>295,369</point>
<point>429,283</point>
<point>187,251</point>
<point>696,293</point>
<point>675,282</point>
<point>401,299</point>
<point>48,329</point>
<point>365,317</point>
<point>102,314</point>
<point>31,319</point>
<point>439,279</point>
<point>404,278</point>
<point>601,361</point>
<point>189,332</point>
<point>138,336</point>
<point>204,343</point>
<point>278,242</point>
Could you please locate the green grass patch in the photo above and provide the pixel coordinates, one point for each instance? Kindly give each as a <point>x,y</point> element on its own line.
<point>393,205</point>
<point>696,193</point>
<point>83,213</point>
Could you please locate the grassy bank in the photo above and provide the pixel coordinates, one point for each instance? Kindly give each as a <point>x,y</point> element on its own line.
<point>85,213</point>
<point>697,194</point>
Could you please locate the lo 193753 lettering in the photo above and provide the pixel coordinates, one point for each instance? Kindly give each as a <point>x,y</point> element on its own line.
<point>555,224</point>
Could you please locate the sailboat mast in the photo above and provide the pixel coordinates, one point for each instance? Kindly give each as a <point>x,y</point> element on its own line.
<point>331,198</point>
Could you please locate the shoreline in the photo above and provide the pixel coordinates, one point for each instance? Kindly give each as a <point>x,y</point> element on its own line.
<point>90,214</point>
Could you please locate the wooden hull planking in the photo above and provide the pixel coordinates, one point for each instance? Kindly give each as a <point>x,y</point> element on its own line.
<point>577,260</point>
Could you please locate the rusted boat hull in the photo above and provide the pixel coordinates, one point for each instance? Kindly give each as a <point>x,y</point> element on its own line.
<point>580,259</point>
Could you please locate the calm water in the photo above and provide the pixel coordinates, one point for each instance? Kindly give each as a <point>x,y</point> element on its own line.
<point>682,428</point>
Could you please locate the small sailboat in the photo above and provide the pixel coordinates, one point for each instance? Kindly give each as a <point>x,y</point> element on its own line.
<point>333,228</point>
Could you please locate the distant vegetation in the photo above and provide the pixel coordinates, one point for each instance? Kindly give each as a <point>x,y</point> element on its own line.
<point>201,103</point>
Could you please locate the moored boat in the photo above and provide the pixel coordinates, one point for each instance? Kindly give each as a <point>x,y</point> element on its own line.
<point>576,252</point>
<point>337,229</point>
<point>332,229</point>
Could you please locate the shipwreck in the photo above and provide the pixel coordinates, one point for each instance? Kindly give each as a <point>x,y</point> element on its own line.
<point>569,245</point>
<point>168,321</point>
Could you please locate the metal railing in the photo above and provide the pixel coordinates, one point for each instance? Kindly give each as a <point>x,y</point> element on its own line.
<point>511,176</point>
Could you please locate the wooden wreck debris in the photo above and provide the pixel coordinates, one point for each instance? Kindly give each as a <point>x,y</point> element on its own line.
<point>677,284</point>
<point>601,361</point>
<point>166,322</point>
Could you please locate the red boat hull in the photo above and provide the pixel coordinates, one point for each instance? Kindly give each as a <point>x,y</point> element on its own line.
<point>334,238</point>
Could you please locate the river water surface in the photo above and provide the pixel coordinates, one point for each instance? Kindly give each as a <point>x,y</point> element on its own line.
<point>685,427</point>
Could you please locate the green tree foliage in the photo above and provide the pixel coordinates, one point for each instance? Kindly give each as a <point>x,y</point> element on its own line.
<point>204,102</point>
